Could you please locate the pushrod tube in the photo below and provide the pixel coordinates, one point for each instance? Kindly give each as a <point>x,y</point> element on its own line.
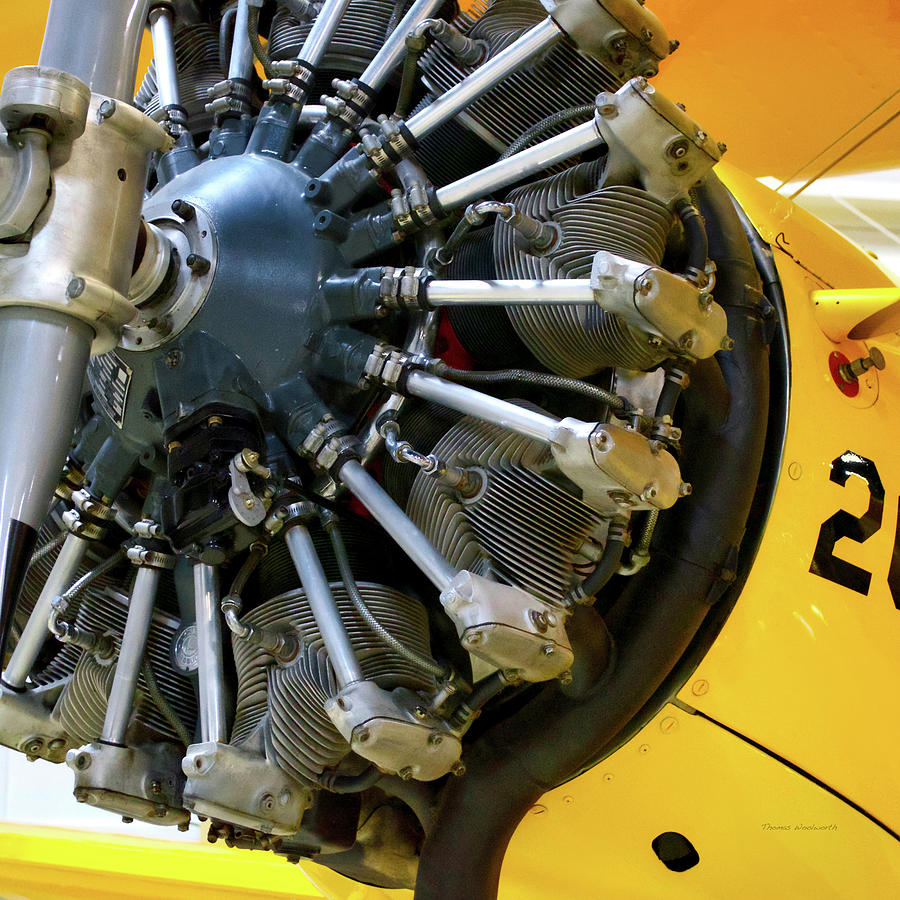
<point>131,655</point>
<point>520,165</point>
<point>542,36</point>
<point>240,63</point>
<point>164,56</point>
<point>35,632</point>
<point>210,670</point>
<point>510,293</point>
<point>397,524</point>
<point>321,602</point>
<point>474,403</point>
<point>394,48</point>
<point>97,42</point>
<point>322,31</point>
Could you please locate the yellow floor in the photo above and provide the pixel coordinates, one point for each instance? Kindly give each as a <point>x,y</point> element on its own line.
<point>56,864</point>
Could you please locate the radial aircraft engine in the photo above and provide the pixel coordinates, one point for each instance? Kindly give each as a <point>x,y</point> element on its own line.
<point>394,399</point>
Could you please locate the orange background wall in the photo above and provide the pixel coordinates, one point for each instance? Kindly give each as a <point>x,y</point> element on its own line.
<point>777,81</point>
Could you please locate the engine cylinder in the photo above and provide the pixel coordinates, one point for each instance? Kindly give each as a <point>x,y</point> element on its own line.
<point>286,701</point>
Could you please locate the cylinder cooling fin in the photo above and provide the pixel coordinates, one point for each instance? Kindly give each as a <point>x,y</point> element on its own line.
<point>288,701</point>
<point>425,414</point>
<point>199,70</point>
<point>362,31</point>
<point>561,79</point>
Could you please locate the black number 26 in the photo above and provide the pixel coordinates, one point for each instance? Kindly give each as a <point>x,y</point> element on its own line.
<point>858,528</point>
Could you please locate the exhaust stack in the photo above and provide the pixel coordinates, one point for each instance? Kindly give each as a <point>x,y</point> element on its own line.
<point>73,166</point>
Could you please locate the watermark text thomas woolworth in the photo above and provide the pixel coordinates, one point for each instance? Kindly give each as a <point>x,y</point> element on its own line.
<point>798,826</point>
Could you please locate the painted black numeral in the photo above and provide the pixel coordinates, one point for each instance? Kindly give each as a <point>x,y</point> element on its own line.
<point>842,524</point>
<point>894,570</point>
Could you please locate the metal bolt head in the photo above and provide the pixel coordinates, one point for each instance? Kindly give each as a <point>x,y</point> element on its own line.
<point>183,209</point>
<point>183,826</point>
<point>548,649</point>
<point>214,421</point>
<point>565,678</point>
<point>606,105</point>
<point>539,620</point>
<point>435,739</point>
<point>678,148</point>
<point>727,343</point>
<point>686,342</point>
<point>645,285</point>
<point>106,109</point>
<point>173,359</point>
<point>406,773</point>
<point>705,300</point>
<point>155,787</point>
<point>172,446</point>
<point>458,768</point>
<point>420,712</point>
<point>621,498</point>
<point>362,735</point>
<point>267,802</point>
<point>700,687</point>
<point>852,371</point>
<point>473,638</point>
<point>722,146</point>
<point>127,820</point>
<point>644,748</point>
<point>876,359</point>
<point>198,264</point>
<point>668,724</point>
<point>249,502</point>
<point>75,287</point>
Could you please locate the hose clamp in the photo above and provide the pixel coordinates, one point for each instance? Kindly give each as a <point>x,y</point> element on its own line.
<point>83,528</point>
<point>293,79</point>
<point>339,450</point>
<point>404,288</point>
<point>91,506</point>
<point>388,366</point>
<point>155,559</point>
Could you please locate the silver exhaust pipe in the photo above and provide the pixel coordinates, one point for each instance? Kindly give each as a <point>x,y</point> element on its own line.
<point>99,44</point>
<point>66,265</point>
